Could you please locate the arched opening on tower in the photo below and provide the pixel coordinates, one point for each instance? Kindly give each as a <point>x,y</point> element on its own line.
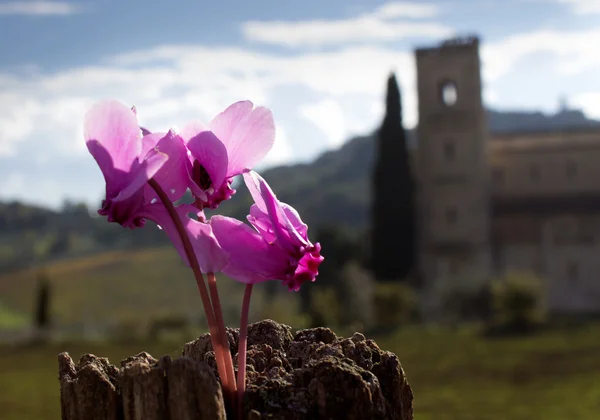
<point>448,93</point>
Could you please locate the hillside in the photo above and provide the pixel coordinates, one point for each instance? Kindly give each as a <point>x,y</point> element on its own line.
<point>110,289</point>
<point>332,190</point>
<point>335,188</point>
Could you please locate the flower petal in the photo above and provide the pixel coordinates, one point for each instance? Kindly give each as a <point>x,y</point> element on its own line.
<point>149,142</point>
<point>153,162</point>
<point>248,134</point>
<point>267,202</point>
<point>295,220</point>
<point>262,223</point>
<point>115,127</point>
<point>113,178</point>
<point>251,259</point>
<point>192,129</point>
<point>224,124</point>
<point>173,177</point>
<point>211,153</point>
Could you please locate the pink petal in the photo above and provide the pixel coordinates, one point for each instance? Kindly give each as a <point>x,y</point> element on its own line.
<point>209,254</point>
<point>251,259</point>
<point>224,124</point>
<point>173,177</point>
<point>262,223</point>
<point>253,181</point>
<point>149,142</point>
<point>153,162</point>
<point>192,129</point>
<point>248,134</point>
<point>210,152</point>
<point>113,179</point>
<point>115,127</point>
<point>267,202</point>
<point>295,220</point>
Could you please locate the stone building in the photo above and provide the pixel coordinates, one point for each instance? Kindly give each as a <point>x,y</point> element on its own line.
<point>493,203</point>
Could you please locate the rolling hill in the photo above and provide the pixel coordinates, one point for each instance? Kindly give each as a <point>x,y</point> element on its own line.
<point>334,189</point>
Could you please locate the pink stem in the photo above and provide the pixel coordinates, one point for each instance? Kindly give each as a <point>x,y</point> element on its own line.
<point>241,377</point>
<point>214,293</point>
<point>208,309</point>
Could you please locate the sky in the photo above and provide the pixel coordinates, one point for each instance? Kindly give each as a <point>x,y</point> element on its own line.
<point>320,66</point>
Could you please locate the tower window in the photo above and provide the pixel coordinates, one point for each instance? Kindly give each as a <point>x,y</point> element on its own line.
<point>449,150</point>
<point>451,216</point>
<point>449,93</point>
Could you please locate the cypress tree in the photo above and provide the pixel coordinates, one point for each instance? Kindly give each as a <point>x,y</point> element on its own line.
<point>393,230</point>
<point>42,311</point>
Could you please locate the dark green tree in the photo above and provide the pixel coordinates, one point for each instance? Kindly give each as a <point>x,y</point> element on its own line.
<point>42,304</point>
<point>393,230</point>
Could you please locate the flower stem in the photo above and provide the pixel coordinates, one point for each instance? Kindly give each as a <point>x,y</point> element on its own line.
<point>208,309</point>
<point>214,294</point>
<point>241,377</point>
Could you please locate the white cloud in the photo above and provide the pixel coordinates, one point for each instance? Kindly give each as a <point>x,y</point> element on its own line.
<point>582,7</point>
<point>38,8</point>
<point>17,116</point>
<point>380,25</point>
<point>42,115</point>
<point>172,84</point>
<point>328,116</point>
<point>574,51</point>
<point>13,184</point>
<point>340,91</point>
<point>590,101</point>
<point>17,187</point>
<point>405,9</point>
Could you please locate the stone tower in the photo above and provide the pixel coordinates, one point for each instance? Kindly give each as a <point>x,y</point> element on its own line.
<point>452,166</point>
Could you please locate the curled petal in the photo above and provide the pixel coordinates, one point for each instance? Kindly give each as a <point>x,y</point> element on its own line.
<point>224,124</point>
<point>173,177</point>
<point>113,178</point>
<point>268,203</point>
<point>295,220</point>
<point>251,259</point>
<point>192,129</point>
<point>211,153</point>
<point>149,142</point>
<point>153,162</point>
<point>261,222</point>
<point>248,134</point>
<point>115,127</point>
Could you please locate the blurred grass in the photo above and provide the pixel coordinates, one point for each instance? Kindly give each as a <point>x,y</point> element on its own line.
<point>454,374</point>
<point>11,319</point>
<point>461,375</point>
<point>114,286</point>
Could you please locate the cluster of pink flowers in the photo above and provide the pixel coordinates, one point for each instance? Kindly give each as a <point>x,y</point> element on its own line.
<point>147,173</point>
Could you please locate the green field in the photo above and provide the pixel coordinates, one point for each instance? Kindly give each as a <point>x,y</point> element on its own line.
<point>454,375</point>
<point>126,287</point>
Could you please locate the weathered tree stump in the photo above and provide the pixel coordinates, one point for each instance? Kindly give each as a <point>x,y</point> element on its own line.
<point>310,375</point>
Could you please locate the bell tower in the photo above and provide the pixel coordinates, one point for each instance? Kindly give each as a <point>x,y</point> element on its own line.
<point>452,165</point>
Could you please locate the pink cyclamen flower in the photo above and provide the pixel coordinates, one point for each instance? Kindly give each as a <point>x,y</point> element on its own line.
<point>128,161</point>
<point>277,248</point>
<point>236,140</point>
